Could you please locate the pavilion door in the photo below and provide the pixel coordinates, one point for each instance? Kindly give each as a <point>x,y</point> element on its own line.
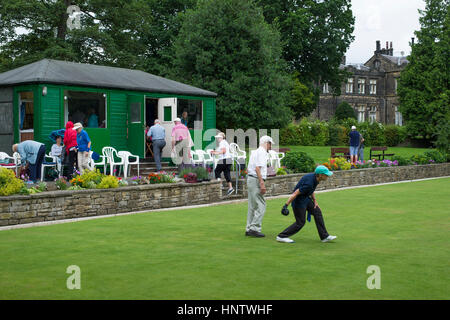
<point>136,125</point>
<point>167,112</point>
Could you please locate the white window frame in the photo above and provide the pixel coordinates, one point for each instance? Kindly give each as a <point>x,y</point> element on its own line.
<point>361,113</point>
<point>361,86</point>
<point>373,114</point>
<point>373,86</point>
<point>398,117</point>
<point>349,86</point>
<point>325,88</point>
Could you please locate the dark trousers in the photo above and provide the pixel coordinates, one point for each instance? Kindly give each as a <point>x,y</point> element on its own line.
<point>35,169</point>
<point>69,165</point>
<point>223,166</point>
<point>158,145</point>
<point>300,215</point>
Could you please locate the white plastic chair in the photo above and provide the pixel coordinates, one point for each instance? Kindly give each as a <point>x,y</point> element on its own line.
<point>49,164</point>
<point>197,157</point>
<point>13,162</point>
<point>58,163</point>
<point>125,155</point>
<point>111,155</point>
<point>275,159</point>
<point>236,152</point>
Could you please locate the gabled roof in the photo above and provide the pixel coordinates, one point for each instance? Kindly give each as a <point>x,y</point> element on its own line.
<point>80,74</point>
<point>397,60</point>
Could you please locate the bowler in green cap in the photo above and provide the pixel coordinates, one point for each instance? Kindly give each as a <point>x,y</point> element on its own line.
<point>302,200</point>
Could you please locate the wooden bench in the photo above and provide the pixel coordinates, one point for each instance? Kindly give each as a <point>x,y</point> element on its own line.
<point>340,152</point>
<point>284,150</point>
<point>375,152</point>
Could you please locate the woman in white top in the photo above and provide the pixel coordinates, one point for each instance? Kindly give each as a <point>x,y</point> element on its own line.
<point>224,164</point>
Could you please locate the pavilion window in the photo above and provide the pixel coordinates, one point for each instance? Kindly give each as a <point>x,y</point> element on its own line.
<point>88,108</point>
<point>194,109</point>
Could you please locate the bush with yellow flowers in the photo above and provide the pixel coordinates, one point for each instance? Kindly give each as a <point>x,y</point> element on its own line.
<point>9,184</point>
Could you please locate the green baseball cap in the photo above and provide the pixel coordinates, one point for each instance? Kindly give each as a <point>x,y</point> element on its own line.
<point>323,170</point>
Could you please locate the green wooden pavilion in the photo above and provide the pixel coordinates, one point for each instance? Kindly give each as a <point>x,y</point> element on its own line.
<point>114,104</point>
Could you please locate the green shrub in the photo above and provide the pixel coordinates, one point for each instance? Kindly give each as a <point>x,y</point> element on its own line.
<point>436,156</point>
<point>289,135</point>
<point>90,185</point>
<point>298,162</point>
<point>394,135</point>
<point>344,111</point>
<point>375,135</point>
<point>61,184</point>
<point>202,173</point>
<point>281,172</point>
<point>9,184</point>
<point>419,159</point>
<point>108,182</point>
<point>335,135</point>
<point>42,186</point>
<point>91,176</point>
<point>402,161</point>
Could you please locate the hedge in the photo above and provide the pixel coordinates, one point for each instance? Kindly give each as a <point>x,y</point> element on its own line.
<point>335,133</point>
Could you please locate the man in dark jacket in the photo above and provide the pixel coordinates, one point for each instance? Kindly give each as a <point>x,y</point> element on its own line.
<point>303,199</point>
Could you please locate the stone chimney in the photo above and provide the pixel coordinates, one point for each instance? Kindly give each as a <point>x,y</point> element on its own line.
<point>378,47</point>
<point>391,50</point>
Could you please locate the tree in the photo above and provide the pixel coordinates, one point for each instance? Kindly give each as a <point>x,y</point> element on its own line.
<point>303,100</point>
<point>226,46</point>
<point>344,111</point>
<point>423,87</point>
<point>316,34</point>
<point>135,34</point>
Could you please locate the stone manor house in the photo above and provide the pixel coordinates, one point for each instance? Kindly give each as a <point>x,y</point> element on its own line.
<point>371,89</point>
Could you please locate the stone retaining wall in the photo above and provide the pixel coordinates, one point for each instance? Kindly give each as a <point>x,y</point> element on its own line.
<point>285,184</point>
<point>47,206</point>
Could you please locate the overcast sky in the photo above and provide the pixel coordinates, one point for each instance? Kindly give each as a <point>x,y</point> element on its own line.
<point>384,20</point>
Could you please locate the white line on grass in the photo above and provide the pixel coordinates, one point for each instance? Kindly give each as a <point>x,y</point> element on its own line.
<point>45,223</point>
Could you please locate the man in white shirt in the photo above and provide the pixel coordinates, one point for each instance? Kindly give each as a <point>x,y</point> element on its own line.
<point>257,174</point>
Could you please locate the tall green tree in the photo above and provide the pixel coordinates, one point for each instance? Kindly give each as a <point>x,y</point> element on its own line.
<point>227,47</point>
<point>125,33</point>
<point>303,99</point>
<point>316,34</point>
<point>424,84</point>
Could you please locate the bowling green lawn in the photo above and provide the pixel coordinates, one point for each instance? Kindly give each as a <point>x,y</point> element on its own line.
<point>202,253</point>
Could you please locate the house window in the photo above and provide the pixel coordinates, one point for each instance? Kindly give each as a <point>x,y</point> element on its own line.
<point>395,85</point>
<point>193,109</point>
<point>88,108</point>
<point>377,64</point>
<point>361,86</point>
<point>349,86</point>
<point>325,88</point>
<point>373,86</point>
<point>373,114</point>
<point>361,113</point>
<point>398,117</point>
